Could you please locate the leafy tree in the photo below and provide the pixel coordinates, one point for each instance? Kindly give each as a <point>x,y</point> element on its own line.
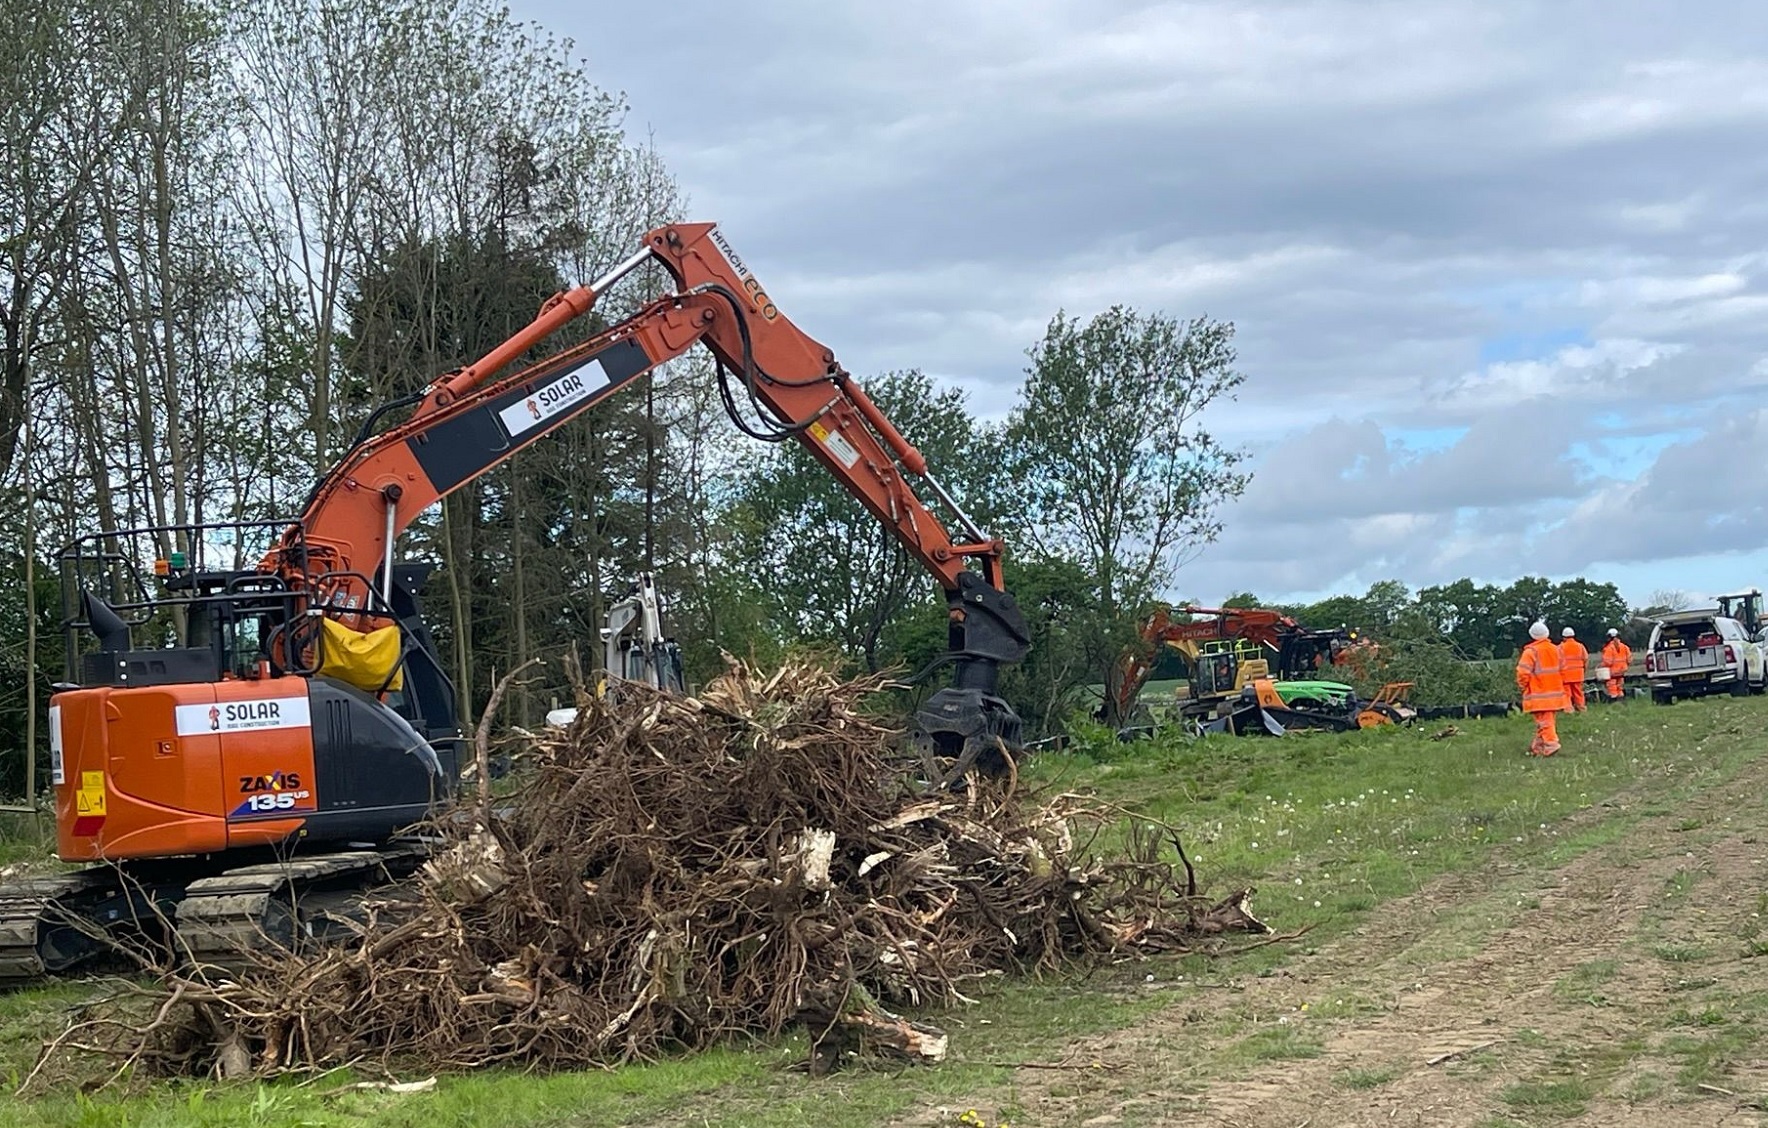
<point>1376,612</point>
<point>1466,613</point>
<point>1384,603</point>
<point>1522,603</point>
<point>1072,639</point>
<point>1108,444</point>
<point>1242,599</point>
<point>1334,611</point>
<point>1587,607</point>
<point>17,670</point>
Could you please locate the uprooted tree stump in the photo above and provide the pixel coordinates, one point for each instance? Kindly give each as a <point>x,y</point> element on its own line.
<point>844,1019</point>
<point>673,871</point>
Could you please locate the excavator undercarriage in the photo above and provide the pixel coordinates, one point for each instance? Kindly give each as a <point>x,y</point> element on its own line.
<point>143,915</point>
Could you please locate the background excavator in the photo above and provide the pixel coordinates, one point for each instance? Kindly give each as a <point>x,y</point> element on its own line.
<point>236,748</point>
<point>1224,650</point>
<point>635,647</point>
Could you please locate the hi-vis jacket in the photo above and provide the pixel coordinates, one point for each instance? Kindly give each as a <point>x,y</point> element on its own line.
<point>1575,660</point>
<point>1616,656</point>
<point>1538,676</point>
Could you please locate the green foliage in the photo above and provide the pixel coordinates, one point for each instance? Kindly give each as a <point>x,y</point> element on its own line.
<point>16,672</point>
<point>1439,673</point>
<point>1477,620</point>
<point>1487,621</point>
<point>1109,452</point>
<point>1072,638</point>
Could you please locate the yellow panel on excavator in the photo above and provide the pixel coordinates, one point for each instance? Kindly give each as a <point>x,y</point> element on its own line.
<point>362,660</point>
<point>1251,670</point>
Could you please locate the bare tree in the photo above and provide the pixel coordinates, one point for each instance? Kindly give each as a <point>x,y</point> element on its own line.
<point>311,78</point>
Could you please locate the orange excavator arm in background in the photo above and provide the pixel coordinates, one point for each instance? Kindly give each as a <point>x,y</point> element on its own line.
<point>471,420</point>
<point>1170,625</point>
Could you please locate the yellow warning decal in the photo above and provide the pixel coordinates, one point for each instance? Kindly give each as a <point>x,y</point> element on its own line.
<point>835,443</point>
<point>91,794</point>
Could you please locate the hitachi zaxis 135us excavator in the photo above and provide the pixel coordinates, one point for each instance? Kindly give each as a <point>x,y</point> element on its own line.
<point>244,770</point>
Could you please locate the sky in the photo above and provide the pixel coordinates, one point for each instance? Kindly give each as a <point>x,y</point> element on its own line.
<point>1498,269</point>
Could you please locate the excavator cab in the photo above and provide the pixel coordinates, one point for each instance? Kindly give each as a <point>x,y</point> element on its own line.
<point>1226,667</point>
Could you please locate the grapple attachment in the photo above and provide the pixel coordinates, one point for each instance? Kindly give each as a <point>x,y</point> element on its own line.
<point>958,730</point>
<point>967,725</point>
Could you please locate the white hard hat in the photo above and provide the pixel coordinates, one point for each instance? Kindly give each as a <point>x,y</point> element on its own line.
<point>1567,633</point>
<point>1612,633</point>
<point>1538,630</point>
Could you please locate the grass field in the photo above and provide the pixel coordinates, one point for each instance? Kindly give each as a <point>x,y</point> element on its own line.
<point>1490,940</point>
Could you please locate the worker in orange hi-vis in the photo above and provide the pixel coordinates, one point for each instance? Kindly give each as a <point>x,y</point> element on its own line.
<point>1575,666</point>
<point>1543,690</point>
<point>1616,657</point>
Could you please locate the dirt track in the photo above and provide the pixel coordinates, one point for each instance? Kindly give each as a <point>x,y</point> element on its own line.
<point>1619,988</point>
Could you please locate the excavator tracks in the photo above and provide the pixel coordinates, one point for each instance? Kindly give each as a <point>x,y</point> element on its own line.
<point>38,934</point>
<point>222,921</point>
<point>226,921</point>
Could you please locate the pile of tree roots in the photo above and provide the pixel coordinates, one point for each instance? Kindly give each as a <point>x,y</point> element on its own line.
<point>673,871</point>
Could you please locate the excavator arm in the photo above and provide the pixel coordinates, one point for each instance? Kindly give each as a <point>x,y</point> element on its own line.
<point>471,420</point>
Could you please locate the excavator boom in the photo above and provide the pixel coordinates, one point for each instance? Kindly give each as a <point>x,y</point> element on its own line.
<point>471,420</point>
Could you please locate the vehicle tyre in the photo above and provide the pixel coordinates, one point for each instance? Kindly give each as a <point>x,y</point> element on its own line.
<point>1741,687</point>
<point>1662,698</point>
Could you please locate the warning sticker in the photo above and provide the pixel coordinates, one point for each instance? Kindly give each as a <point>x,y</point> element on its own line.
<point>57,772</point>
<point>89,800</point>
<point>836,444</point>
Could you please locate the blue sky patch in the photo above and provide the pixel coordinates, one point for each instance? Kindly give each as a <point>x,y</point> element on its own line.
<point>1530,345</point>
<point>1626,456</point>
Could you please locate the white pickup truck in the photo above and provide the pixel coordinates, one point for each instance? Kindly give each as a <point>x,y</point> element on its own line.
<point>1694,653</point>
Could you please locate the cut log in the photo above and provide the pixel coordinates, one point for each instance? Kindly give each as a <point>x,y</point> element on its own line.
<point>1232,913</point>
<point>848,1020</point>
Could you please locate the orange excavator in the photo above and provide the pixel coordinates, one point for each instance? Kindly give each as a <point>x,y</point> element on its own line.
<point>246,768</point>
<point>1287,648</point>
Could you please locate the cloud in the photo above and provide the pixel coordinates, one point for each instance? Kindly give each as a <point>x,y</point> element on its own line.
<point>1534,228</point>
<point>1595,373</point>
<point>1494,510</point>
<point>1703,493</point>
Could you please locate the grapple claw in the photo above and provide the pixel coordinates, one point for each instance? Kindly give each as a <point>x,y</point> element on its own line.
<point>960,730</point>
